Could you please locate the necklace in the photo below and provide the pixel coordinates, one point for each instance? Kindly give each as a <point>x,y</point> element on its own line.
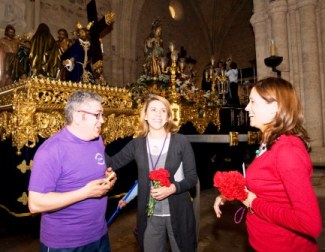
<point>154,166</point>
<point>261,150</point>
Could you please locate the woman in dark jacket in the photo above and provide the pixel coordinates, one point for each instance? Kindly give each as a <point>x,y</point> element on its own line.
<point>158,146</point>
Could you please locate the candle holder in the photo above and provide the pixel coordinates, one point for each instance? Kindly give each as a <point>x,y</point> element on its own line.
<point>211,76</point>
<point>218,81</point>
<point>173,69</point>
<point>274,61</point>
<point>222,79</point>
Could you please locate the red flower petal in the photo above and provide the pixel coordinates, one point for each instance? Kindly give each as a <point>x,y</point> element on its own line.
<point>161,175</point>
<point>231,185</point>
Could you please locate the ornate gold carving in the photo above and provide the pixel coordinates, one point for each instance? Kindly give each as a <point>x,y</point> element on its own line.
<point>254,137</point>
<point>109,17</point>
<point>200,116</point>
<point>23,130</point>
<point>176,113</point>
<point>118,127</point>
<point>98,64</point>
<point>49,123</point>
<point>4,124</point>
<point>234,138</point>
<point>34,108</point>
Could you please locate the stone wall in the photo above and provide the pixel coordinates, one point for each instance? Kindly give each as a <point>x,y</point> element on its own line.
<point>207,28</point>
<point>297,27</point>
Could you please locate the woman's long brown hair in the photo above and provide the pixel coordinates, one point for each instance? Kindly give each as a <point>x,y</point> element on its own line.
<point>289,118</point>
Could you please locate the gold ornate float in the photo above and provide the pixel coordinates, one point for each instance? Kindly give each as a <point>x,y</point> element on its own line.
<point>34,108</point>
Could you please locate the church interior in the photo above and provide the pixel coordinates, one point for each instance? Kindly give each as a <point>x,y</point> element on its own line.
<point>179,49</point>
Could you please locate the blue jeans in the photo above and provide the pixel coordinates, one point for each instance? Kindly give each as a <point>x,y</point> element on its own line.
<point>101,245</point>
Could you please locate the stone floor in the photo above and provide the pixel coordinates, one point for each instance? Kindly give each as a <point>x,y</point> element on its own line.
<point>220,235</point>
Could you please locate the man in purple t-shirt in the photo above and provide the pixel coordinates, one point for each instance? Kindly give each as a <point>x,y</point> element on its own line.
<point>67,183</point>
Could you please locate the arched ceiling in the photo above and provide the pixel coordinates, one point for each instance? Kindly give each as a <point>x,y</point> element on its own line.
<point>210,27</point>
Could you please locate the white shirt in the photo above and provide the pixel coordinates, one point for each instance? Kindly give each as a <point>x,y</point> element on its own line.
<point>232,74</point>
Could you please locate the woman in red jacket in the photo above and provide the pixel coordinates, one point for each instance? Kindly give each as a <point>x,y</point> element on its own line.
<point>284,212</point>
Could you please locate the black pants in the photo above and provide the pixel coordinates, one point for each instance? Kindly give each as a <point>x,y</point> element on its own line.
<point>234,98</point>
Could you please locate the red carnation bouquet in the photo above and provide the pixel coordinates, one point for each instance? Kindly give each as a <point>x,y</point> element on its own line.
<point>159,177</point>
<point>231,185</point>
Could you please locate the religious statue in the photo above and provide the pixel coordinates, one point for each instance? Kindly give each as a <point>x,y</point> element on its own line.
<point>21,64</point>
<point>97,31</point>
<point>44,53</point>
<point>77,59</point>
<point>154,51</point>
<point>9,47</point>
<point>64,43</point>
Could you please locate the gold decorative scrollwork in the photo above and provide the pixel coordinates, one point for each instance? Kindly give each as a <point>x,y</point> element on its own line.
<point>34,108</point>
<point>118,127</point>
<point>254,137</point>
<point>23,129</point>
<point>200,116</point>
<point>4,124</point>
<point>176,113</point>
<point>49,123</point>
<point>234,138</point>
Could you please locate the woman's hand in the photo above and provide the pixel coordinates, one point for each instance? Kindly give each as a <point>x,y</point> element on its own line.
<point>163,192</point>
<point>220,201</point>
<point>250,197</point>
<point>121,204</point>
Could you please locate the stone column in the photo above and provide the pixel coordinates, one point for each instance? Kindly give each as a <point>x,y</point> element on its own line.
<point>37,10</point>
<point>29,15</point>
<point>114,74</point>
<point>32,15</point>
<point>295,74</point>
<point>317,154</point>
<point>310,68</point>
<point>278,13</point>
<point>258,21</point>
<point>322,59</point>
<point>124,40</point>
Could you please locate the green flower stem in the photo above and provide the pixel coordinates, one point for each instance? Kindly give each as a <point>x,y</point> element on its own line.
<point>152,201</point>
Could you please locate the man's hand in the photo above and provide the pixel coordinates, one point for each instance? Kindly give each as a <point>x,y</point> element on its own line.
<point>110,176</point>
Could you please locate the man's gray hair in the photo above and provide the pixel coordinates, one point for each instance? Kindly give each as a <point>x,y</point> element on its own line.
<point>77,99</point>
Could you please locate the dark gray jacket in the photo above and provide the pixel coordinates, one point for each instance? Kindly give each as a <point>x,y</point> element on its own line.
<point>181,207</point>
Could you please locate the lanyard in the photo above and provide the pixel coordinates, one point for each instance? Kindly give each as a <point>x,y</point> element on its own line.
<point>154,166</point>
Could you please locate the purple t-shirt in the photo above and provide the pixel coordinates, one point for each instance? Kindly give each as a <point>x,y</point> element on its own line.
<point>64,163</point>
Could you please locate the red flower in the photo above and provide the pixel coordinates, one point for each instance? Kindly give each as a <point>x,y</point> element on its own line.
<point>231,185</point>
<point>159,177</point>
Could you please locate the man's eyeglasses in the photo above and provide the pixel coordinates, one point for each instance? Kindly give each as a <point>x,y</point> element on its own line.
<point>97,115</point>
